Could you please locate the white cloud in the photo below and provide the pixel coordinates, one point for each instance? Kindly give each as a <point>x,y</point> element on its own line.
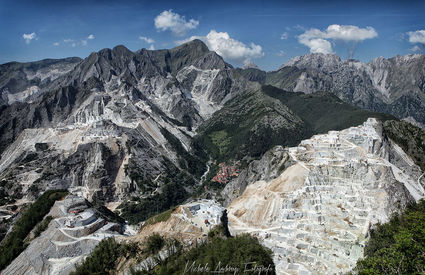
<point>284,36</point>
<point>90,37</point>
<point>56,44</point>
<point>147,39</point>
<point>350,33</point>
<point>317,40</point>
<point>417,36</point>
<point>415,49</point>
<point>227,47</point>
<point>74,44</point>
<point>317,45</point>
<point>151,47</point>
<point>177,24</point>
<point>84,42</point>
<point>29,36</point>
<point>68,40</point>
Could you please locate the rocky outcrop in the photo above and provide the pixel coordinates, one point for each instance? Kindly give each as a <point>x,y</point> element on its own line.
<point>316,214</point>
<point>271,164</point>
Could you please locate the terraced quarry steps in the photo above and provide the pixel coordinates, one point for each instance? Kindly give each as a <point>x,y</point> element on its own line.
<point>68,239</point>
<point>316,215</point>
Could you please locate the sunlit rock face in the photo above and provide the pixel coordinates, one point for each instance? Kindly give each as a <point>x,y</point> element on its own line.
<point>316,214</point>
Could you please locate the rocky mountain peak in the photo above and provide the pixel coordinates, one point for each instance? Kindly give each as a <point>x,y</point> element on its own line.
<point>315,61</point>
<point>249,65</point>
<point>195,46</point>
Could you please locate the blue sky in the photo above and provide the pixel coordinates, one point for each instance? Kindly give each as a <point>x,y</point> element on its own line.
<point>267,33</point>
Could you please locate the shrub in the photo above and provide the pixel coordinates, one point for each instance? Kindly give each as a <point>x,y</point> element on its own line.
<point>240,252</point>
<point>154,243</point>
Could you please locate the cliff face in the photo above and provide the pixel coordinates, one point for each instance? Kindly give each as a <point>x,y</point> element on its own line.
<point>315,215</point>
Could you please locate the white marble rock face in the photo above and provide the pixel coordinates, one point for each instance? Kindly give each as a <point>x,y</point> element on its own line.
<point>316,215</point>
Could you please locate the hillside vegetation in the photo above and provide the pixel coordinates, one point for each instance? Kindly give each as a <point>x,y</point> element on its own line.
<point>397,247</point>
<point>323,111</point>
<point>254,122</point>
<point>237,253</point>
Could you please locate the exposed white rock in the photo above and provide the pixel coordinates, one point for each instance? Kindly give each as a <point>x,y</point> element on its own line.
<point>202,88</point>
<point>21,96</point>
<point>316,215</point>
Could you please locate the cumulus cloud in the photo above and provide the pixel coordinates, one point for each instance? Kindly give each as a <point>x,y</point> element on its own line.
<point>284,36</point>
<point>318,41</point>
<point>350,33</point>
<point>317,45</point>
<point>227,47</point>
<point>417,36</point>
<point>56,44</point>
<point>177,24</point>
<point>90,37</point>
<point>29,36</point>
<point>151,47</point>
<point>147,39</point>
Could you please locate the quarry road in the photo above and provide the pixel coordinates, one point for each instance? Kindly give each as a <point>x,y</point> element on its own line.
<point>205,174</point>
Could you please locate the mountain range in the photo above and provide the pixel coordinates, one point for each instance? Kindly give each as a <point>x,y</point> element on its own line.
<point>394,85</point>
<point>133,135</point>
